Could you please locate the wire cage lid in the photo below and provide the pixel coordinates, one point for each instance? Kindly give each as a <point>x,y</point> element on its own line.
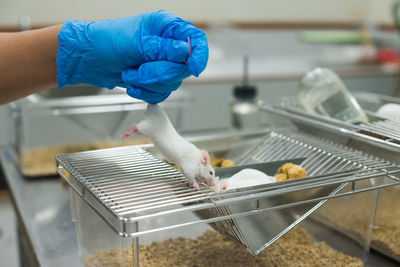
<point>134,191</point>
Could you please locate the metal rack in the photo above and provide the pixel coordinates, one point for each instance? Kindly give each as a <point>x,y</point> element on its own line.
<point>92,117</point>
<point>134,191</point>
<point>372,102</point>
<point>379,137</point>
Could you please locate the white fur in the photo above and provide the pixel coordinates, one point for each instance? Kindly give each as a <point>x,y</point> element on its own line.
<point>246,178</point>
<point>389,111</point>
<point>174,148</point>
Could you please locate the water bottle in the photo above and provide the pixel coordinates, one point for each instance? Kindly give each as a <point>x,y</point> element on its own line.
<point>244,110</point>
<point>322,92</point>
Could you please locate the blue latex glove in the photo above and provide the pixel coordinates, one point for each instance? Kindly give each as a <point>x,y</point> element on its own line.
<point>147,54</point>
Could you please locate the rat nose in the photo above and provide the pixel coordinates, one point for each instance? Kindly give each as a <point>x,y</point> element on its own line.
<point>211,182</point>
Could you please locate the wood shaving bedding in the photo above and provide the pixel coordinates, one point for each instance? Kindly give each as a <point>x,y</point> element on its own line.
<point>296,248</point>
<point>41,161</point>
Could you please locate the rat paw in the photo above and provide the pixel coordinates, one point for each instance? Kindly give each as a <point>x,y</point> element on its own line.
<point>124,135</point>
<point>133,129</point>
<point>196,186</point>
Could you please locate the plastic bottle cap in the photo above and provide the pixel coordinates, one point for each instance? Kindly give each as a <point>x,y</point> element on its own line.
<point>245,92</point>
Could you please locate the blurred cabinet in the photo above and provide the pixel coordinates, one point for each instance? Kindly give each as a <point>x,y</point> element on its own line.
<point>6,126</point>
<point>209,109</point>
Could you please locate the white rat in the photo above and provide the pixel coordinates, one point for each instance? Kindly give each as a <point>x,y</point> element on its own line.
<point>245,178</point>
<point>389,111</point>
<point>192,161</point>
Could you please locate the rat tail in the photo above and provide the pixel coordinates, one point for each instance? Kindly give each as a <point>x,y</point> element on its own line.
<point>156,121</point>
<point>156,114</point>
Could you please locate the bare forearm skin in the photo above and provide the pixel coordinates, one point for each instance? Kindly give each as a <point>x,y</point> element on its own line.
<point>27,62</point>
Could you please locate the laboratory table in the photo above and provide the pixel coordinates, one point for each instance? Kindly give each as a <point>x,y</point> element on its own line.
<point>45,229</point>
<point>46,232</point>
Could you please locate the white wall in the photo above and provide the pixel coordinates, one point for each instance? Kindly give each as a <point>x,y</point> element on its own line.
<point>380,10</point>
<point>44,12</point>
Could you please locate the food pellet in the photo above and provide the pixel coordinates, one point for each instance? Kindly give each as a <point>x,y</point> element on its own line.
<point>227,163</point>
<point>297,172</point>
<point>286,167</point>
<point>281,177</point>
<point>290,171</point>
<point>220,162</point>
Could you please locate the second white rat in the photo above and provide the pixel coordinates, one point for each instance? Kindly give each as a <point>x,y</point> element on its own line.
<point>389,111</point>
<point>192,161</point>
<point>245,178</point>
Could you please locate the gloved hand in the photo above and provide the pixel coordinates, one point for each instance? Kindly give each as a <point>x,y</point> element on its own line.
<point>147,54</point>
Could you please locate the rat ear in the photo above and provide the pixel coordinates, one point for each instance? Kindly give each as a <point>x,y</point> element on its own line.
<point>205,157</point>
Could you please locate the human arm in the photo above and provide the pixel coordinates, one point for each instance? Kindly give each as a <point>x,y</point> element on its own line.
<point>148,54</point>
<point>27,62</point>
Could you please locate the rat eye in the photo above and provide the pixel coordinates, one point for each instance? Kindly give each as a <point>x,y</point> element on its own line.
<point>211,173</point>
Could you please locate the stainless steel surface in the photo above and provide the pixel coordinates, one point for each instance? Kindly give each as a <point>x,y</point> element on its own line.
<point>43,211</point>
<point>105,101</point>
<point>387,128</point>
<point>8,229</point>
<point>379,137</point>
<point>255,233</point>
<point>372,102</point>
<point>128,186</point>
<point>83,119</point>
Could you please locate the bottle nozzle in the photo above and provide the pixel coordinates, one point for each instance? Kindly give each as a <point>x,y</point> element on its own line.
<point>246,70</point>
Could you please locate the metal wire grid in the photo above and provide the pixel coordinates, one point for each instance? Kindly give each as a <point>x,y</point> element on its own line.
<point>227,227</point>
<point>372,102</point>
<point>385,129</point>
<point>130,181</point>
<point>388,130</point>
<point>369,102</point>
<point>322,157</point>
